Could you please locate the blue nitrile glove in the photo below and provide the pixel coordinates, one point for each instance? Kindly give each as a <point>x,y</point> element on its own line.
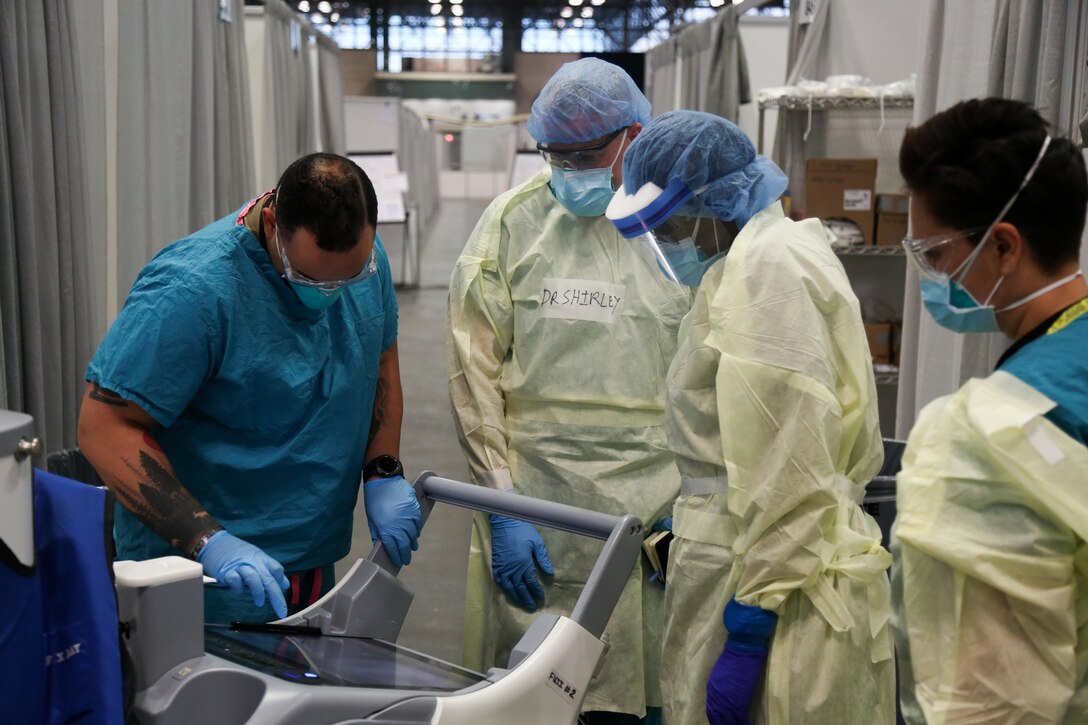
<point>238,563</point>
<point>736,673</point>
<point>516,550</point>
<point>392,513</point>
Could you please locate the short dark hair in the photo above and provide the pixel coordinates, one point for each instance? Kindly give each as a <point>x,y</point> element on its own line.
<point>968,161</point>
<point>328,195</point>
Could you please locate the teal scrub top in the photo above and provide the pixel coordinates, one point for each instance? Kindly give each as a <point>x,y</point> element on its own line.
<point>1056,364</point>
<point>265,404</point>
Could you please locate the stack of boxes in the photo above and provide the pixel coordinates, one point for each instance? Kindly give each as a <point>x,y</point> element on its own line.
<point>891,219</point>
<point>884,340</point>
<point>846,189</point>
<point>842,189</point>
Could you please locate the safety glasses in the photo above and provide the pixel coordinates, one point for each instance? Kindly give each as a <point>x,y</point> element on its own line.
<point>932,256</point>
<point>369,270</point>
<point>580,159</point>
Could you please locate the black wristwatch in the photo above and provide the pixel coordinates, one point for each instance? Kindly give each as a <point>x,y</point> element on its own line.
<point>383,466</point>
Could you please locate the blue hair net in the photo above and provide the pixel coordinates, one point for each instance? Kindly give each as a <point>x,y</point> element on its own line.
<point>586,100</point>
<point>702,150</point>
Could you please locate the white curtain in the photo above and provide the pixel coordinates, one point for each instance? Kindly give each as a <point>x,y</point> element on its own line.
<point>702,68</point>
<point>418,159</point>
<point>1011,48</point>
<point>663,80</point>
<point>51,299</point>
<point>283,94</point>
<point>329,96</point>
<point>182,124</point>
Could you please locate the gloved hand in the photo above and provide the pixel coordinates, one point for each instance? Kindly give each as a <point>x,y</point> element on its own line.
<point>238,563</point>
<point>515,544</point>
<point>392,513</point>
<point>736,673</point>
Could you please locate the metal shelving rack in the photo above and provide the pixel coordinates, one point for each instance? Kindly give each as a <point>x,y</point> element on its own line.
<point>830,103</point>
<point>886,378</point>
<point>871,251</point>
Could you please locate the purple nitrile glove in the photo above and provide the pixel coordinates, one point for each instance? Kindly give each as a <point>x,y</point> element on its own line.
<point>736,674</point>
<point>731,686</point>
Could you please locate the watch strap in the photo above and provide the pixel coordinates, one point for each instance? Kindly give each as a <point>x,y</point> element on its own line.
<point>371,468</point>
<point>203,541</point>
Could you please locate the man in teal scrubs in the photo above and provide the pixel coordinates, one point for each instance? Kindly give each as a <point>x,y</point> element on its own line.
<point>247,386</point>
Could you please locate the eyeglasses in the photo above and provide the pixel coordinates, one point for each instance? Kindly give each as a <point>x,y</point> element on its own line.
<point>587,157</point>
<point>930,255</point>
<point>370,268</point>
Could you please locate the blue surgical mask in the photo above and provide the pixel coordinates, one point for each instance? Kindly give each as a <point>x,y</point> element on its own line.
<point>953,307</point>
<point>586,192</point>
<point>687,261</point>
<point>316,298</point>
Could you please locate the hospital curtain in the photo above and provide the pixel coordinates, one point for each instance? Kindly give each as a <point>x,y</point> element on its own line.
<point>703,68</point>
<point>1011,48</point>
<point>329,98</point>
<point>51,300</point>
<point>419,160</point>
<point>714,71</point>
<point>663,76</point>
<point>183,128</point>
<point>807,42</point>
<point>283,103</point>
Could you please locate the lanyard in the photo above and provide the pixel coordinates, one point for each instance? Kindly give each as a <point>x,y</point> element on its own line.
<point>1069,316</point>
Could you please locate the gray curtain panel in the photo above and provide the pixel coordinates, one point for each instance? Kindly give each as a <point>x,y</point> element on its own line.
<point>696,45</point>
<point>707,61</point>
<point>715,70</point>
<point>183,124</point>
<point>1009,48</point>
<point>728,68</point>
<point>419,161</point>
<point>288,86</point>
<point>661,76</point>
<point>47,299</point>
<point>330,96</point>
<point>806,44</point>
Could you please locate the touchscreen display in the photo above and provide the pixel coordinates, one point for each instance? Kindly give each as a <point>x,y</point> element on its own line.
<point>330,660</point>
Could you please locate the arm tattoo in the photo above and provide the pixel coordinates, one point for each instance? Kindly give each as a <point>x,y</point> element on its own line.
<point>163,504</point>
<point>378,417</point>
<point>108,397</point>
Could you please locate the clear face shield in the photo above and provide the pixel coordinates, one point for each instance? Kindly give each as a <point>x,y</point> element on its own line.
<point>684,246</point>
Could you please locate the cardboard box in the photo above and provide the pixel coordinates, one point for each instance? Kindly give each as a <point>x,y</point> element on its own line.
<point>891,219</point>
<point>881,342</point>
<point>843,188</point>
